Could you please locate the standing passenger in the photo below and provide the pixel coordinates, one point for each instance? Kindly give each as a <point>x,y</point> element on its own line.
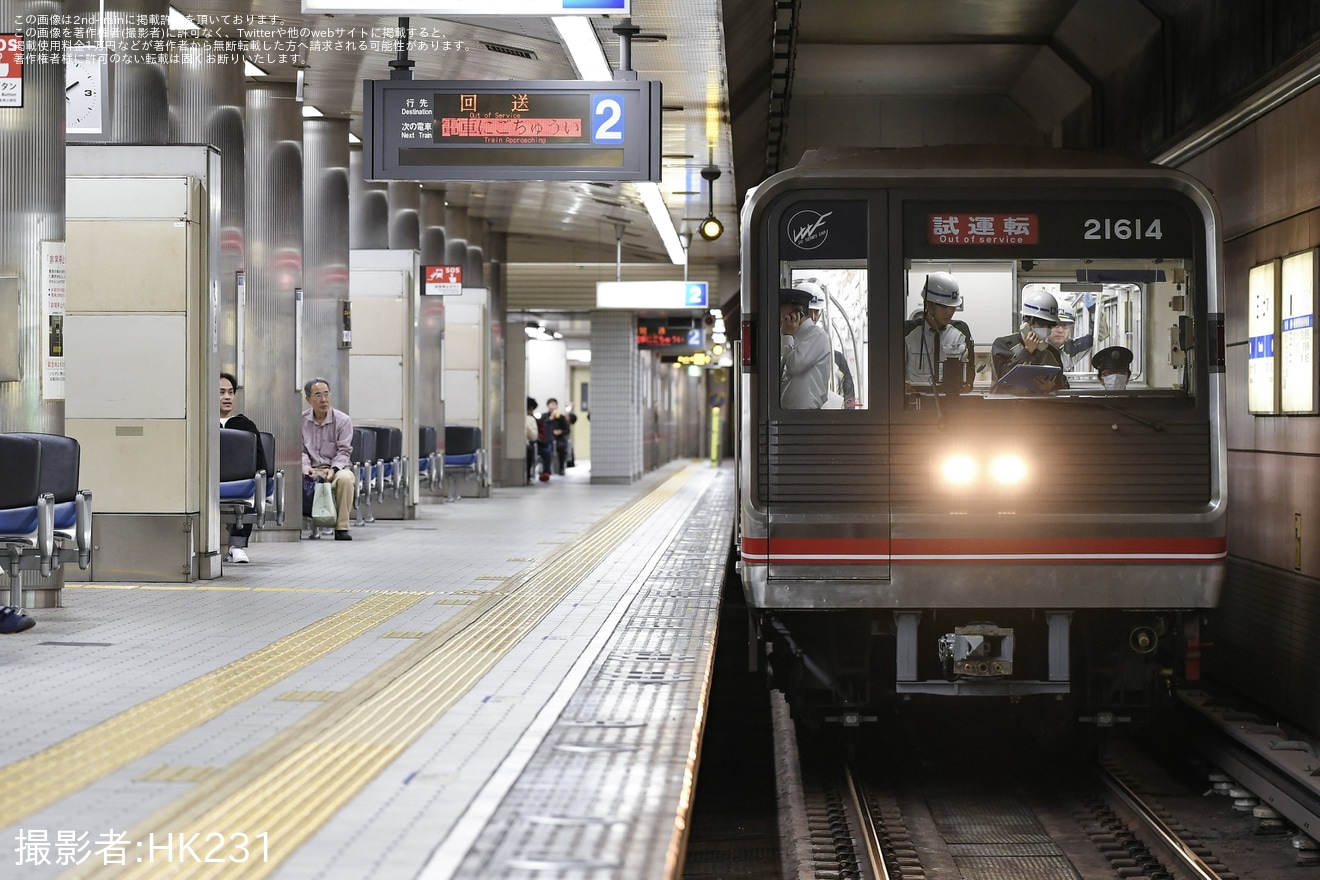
<point>532,432</point>
<point>327,453</point>
<point>808,358</point>
<point>560,428</point>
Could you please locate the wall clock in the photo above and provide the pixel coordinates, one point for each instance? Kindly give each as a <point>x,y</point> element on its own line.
<point>86,93</point>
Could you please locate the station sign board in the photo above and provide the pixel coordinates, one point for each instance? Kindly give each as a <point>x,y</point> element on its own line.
<point>11,70</point>
<point>669,334</point>
<point>442,280</point>
<point>511,130</point>
<point>638,295</point>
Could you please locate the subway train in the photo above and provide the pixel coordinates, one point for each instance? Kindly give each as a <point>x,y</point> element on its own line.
<point>1027,534</point>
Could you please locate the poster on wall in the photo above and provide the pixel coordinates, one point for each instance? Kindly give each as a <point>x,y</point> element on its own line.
<point>1297,334</point>
<point>52,320</point>
<point>1262,296</point>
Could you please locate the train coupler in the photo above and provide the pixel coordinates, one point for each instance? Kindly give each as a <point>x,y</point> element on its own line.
<point>981,650</point>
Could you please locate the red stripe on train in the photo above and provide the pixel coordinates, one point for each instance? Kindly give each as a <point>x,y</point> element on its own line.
<point>864,550</point>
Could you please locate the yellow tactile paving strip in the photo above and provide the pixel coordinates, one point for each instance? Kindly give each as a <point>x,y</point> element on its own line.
<point>288,788</point>
<point>38,781</point>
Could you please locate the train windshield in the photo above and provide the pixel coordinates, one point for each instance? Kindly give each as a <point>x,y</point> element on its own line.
<point>1041,328</point>
<point>839,308</point>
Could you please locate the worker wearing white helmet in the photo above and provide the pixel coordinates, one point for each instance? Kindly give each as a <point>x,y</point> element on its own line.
<point>1069,346</point>
<point>808,357</point>
<point>1031,344</point>
<point>940,351</point>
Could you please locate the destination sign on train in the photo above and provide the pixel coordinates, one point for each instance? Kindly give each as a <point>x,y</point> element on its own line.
<point>519,130</point>
<point>1132,227</point>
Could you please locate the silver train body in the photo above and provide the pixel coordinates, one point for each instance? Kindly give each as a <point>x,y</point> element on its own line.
<point>917,539</point>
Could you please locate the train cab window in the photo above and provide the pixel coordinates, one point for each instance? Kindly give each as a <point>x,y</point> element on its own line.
<point>825,366</point>
<point>1141,308</point>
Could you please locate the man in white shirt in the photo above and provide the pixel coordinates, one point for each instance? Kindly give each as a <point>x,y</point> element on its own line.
<point>935,338</point>
<point>808,356</point>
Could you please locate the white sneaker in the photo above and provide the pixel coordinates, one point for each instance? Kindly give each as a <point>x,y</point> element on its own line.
<point>236,554</point>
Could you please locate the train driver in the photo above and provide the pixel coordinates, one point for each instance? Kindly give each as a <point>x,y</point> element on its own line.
<point>808,356</point>
<point>933,339</point>
<point>1031,344</point>
<point>1113,366</point>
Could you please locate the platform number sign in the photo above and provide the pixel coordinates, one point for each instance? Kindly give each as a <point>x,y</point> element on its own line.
<point>694,295</point>
<point>607,119</point>
<point>694,337</point>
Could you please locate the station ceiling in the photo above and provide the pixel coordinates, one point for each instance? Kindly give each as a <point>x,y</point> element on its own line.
<point>749,85</point>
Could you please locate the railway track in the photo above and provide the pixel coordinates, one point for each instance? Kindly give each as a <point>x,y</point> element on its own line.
<point>918,809</point>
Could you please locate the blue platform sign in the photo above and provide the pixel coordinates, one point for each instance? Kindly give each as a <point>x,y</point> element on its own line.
<point>694,337</point>
<point>694,295</point>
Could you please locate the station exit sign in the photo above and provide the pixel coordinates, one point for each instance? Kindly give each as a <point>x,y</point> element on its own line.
<point>511,130</point>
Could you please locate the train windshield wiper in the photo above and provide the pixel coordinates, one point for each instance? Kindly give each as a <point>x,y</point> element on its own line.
<point>1149,423</point>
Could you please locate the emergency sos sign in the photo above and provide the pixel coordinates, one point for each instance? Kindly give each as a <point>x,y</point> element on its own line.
<point>11,70</point>
<point>511,130</point>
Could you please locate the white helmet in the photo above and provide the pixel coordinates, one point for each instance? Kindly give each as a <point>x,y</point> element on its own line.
<point>941,289</point>
<point>817,295</point>
<point>1041,305</point>
<point>1066,316</point>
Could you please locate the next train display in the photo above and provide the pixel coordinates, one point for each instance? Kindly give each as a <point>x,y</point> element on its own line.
<point>1005,475</point>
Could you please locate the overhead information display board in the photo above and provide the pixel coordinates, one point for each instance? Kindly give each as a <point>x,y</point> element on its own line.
<point>511,130</point>
<point>524,8</point>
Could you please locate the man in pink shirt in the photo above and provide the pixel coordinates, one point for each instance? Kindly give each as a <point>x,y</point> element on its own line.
<point>327,438</point>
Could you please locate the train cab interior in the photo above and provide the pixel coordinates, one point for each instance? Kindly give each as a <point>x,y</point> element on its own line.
<point>1141,305</point>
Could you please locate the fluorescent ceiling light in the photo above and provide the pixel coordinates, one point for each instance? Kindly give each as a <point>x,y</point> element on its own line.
<point>354,139</point>
<point>664,224</point>
<point>310,112</point>
<point>180,22</point>
<point>250,69</point>
<point>580,39</point>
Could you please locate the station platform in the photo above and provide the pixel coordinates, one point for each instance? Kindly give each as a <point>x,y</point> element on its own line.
<point>512,686</point>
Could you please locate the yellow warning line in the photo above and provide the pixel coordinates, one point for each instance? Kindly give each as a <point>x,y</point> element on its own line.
<point>41,779</point>
<point>290,788</point>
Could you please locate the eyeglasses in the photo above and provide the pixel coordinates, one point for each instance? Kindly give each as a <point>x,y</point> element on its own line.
<point>320,395</point>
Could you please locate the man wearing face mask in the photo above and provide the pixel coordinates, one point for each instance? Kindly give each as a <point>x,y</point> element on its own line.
<point>1113,366</point>
<point>1031,344</point>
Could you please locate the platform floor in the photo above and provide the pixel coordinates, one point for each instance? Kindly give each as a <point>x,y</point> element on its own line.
<point>504,687</point>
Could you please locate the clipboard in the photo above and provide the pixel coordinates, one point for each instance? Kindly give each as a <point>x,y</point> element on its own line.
<point>1026,377</point>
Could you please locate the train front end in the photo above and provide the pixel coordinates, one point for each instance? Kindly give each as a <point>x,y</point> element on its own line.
<point>951,527</point>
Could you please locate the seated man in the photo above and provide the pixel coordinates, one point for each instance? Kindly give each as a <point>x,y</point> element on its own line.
<point>1113,366</point>
<point>327,451</point>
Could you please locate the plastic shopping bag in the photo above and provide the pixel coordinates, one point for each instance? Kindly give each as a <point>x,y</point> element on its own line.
<point>323,506</point>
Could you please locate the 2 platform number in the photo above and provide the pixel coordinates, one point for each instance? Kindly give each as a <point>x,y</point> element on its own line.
<point>607,119</point>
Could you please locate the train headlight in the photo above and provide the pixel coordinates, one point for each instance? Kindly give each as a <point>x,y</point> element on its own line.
<point>958,470</point>
<point>1008,470</point>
